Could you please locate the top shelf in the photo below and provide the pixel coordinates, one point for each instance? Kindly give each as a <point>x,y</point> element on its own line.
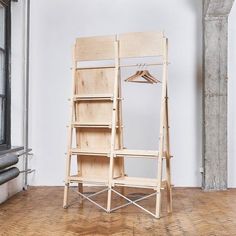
<point>95,67</point>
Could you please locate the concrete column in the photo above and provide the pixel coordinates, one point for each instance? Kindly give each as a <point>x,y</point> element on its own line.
<point>215,45</point>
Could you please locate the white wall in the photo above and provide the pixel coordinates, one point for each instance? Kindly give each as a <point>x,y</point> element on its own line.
<point>55,24</point>
<point>16,185</point>
<point>231,99</point>
<point>54,27</point>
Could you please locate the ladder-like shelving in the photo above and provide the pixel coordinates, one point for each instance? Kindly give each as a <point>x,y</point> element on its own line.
<point>96,128</point>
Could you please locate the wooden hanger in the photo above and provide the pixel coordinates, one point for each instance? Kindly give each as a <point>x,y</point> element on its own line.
<point>144,74</point>
<point>133,77</point>
<point>151,77</point>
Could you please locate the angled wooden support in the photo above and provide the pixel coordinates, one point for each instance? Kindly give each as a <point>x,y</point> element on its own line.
<point>69,139</point>
<point>115,115</point>
<point>164,137</point>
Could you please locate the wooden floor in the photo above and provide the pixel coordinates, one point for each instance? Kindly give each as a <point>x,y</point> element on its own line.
<point>39,212</point>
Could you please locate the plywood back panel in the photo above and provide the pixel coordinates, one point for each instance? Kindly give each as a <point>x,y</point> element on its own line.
<point>98,167</point>
<point>141,44</point>
<point>94,112</point>
<point>95,48</point>
<point>95,139</point>
<point>95,81</point>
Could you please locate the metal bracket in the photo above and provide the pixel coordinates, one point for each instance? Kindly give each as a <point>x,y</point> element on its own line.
<point>28,171</point>
<point>24,152</point>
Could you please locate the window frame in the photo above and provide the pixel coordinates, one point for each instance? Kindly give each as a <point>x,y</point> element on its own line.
<point>7,50</point>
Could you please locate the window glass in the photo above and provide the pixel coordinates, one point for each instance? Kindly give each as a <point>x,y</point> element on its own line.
<point>2,119</point>
<point>4,101</point>
<point>2,73</point>
<point>2,27</point>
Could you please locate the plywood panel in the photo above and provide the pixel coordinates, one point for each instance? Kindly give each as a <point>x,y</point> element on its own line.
<point>141,44</point>
<point>95,48</point>
<point>98,167</point>
<point>95,81</point>
<point>94,112</point>
<point>94,138</point>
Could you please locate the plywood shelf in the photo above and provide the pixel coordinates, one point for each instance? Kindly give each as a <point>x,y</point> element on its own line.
<point>137,182</point>
<point>89,152</point>
<point>95,67</point>
<point>93,97</point>
<point>81,179</point>
<point>92,125</point>
<point>118,153</point>
<point>144,153</point>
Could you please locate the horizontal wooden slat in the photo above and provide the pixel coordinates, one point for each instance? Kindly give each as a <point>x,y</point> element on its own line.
<point>95,48</point>
<point>90,152</point>
<point>128,152</point>
<point>95,67</point>
<point>89,179</point>
<point>137,182</point>
<point>141,44</point>
<point>92,125</point>
<point>95,97</point>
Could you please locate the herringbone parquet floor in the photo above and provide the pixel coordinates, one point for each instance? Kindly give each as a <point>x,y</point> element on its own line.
<point>39,212</point>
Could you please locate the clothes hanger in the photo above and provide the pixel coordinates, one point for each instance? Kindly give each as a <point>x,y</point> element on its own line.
<point>133,77</point>
<point>151,77</point>
<point>144,74</point>
<point>138,74</point>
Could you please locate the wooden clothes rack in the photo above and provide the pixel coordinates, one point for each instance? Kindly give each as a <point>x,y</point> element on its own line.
<point>95,135</point>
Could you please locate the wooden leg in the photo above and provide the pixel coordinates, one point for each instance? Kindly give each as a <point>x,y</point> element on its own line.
<point>159,181</point>
<point>169,189</point>
<point>66,190</point>
<point>158,204</point>
<point>109,200</point>
<point>79,172</point>
<point>110,183</point>
<point>80,189</point>
<point>123,190</point>
<point>67,183</point>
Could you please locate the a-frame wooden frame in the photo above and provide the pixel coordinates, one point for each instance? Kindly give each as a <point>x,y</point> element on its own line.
<point>96,119</point>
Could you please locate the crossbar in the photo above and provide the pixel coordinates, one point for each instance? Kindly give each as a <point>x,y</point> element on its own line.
<point>92,195</point>
<point>134,202</point>
<point>131,202</point>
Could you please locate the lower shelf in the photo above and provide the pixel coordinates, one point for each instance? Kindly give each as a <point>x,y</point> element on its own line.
<point>134,182</point>
<point>118,153</point>
<point>80,179</point>
<point>137,182</point>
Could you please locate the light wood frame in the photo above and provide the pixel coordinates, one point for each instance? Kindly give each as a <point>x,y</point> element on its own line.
<point>96,118</point>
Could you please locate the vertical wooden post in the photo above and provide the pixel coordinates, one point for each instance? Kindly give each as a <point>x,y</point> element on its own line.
<point>162,122</point>
<point>120,124</point>
<point>121,142</point>
<point>70,134</point>
<point>113,129</point>
<point>167,150</point>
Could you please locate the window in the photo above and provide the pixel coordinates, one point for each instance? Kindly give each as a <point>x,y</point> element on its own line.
<point>4,76</point>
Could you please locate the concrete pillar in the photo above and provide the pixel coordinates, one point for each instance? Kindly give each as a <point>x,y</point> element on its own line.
<point>215,45</point>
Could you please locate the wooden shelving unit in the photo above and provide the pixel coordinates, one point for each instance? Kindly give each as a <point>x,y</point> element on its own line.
<point>96,126</point>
